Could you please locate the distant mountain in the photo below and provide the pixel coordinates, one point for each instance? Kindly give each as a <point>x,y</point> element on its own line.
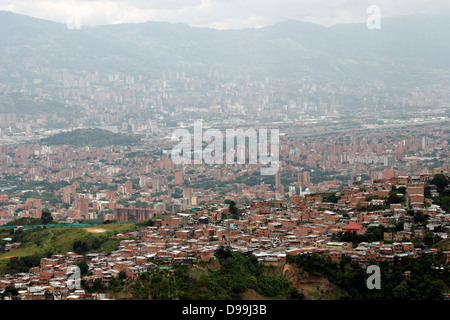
<point>23,104</point>
<point>419,38</point>
<point>412,49</point>
<point>416,46</point>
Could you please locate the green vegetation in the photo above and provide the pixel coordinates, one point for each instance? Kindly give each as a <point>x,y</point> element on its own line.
<point>39,242</point>
<point>396,195</point>
<point>9,291</point>
<point>20,185</point>
<point>372,234</point>
<point>23,264</point>
<point>24,222</point>
<point>441,183</point>
<point>423,281</point>
<point>234,213</point>
<point>330,197</point>
<point>236,274</point>
<point>46,217</point>
<point>90,138</point>
<point>255,178</point>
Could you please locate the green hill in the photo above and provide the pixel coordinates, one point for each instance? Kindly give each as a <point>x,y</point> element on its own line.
<point>233,276</point>
<point>43,242</point>
<point>90,138</point>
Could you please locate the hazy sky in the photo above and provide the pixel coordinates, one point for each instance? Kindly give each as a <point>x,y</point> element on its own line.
<point>220,14</point>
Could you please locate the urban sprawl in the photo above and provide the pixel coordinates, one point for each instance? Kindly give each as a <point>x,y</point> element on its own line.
<point>342,169</point>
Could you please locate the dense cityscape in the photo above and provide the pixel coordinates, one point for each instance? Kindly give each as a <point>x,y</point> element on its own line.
<point>88,183</point>
<point>335,176</point>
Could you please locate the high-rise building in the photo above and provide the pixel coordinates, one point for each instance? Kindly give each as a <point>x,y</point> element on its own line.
<point>387,173</point>
<point>133,214</point>
<point>82,205</point>
<point>178,178</point>
<point>277,180</point>
<point>128,187</point>
<point>155,185</point>
<point>292,191</point>
<point>142,181</point>
<point>389,161</point>
<point>424,143</point>
<point>306,178</point>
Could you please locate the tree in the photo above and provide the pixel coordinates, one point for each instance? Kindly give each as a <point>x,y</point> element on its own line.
<point>440,182</point>
<point>401,292</point>
<point>46,217</point>
<point>421,218</point>
<point>96,243</point>
<point>394,198</point>
<point>80,247</point>
<point>233,209</point>
<point>223,253</point>
<point>122,275</point>
<point>84,268</point>
<point>444,202</point>
<point>10,291</point>
<point>429,239</point>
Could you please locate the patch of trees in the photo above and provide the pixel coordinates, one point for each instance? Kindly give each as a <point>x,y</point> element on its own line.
<point>234,212</point>
<point>10,292</point>
<point>441,183</point>
<point>92,243</point>
<point>372,234</point>
<point>90,137</point>
<point>22,264</point>
<point>46,217</point>
<point>110,221</point>
<point>237,273</point>
<point>396,195</point>
<point>24,221</point>
<point>408,279</point>
<point>330,198</point>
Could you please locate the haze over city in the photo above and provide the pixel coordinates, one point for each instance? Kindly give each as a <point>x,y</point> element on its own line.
<point>219,14</point>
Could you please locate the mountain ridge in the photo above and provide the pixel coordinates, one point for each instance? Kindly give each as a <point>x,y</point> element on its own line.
<point>406,47</point>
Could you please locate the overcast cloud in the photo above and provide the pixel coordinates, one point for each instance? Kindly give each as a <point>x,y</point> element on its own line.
<point>220,14</point>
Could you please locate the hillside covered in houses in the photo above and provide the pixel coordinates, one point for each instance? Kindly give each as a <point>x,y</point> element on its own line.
<point>316,246</point>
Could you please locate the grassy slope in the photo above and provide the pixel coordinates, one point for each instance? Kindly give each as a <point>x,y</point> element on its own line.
<point>60,240</point>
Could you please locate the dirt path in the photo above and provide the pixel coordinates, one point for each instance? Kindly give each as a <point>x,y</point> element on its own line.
<point>7,257</point>
<point>95,230</point>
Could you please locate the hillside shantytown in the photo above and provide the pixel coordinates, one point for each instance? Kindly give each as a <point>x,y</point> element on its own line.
<point>367,195</point>
<point>271,230</point>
